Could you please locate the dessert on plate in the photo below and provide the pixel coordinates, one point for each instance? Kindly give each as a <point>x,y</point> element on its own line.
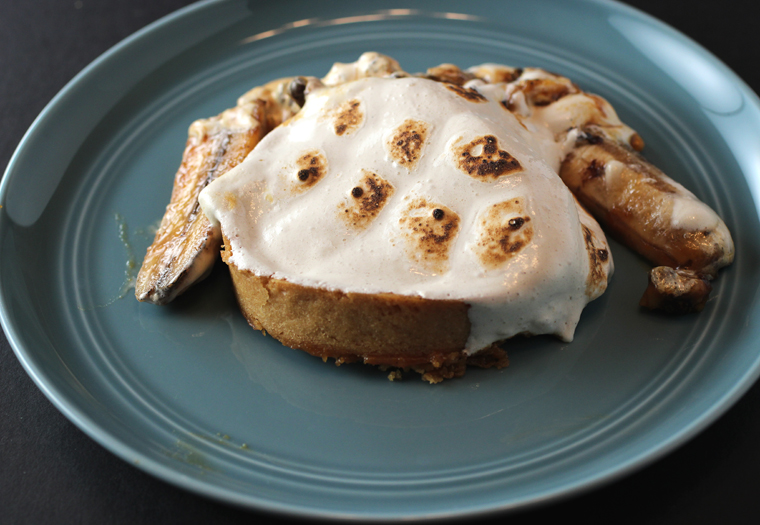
<point>419,221</point>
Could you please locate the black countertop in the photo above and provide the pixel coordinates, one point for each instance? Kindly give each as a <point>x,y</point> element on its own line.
<point>51,472</point>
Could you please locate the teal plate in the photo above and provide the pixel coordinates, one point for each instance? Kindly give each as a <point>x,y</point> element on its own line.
<point>191,394</point>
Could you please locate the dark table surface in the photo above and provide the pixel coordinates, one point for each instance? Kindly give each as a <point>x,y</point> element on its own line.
<point>51,472</point>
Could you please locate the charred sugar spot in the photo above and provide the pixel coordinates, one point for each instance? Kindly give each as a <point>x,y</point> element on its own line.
<point>482,159</point>
<point>599,102</point>
<point>544,91</point>
<point>593,139</point>
<point>369,198</point>
<point>495,74</point>
<point>596,275</point>
<point>503,230</point>
<point>466,93</point>
<point>511,106</point>
<point>379,191</point>
<point>297,90</point>
<point>429,239</point>
<point>406,142</point>
<point>588,236</point>
<point>449,73</point>
<point>594,170</point>
<point>348,117</point>
<point>311,168</point>
<point>588,137</point>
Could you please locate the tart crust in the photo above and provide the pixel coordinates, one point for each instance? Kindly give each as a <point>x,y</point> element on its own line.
<point>384,329</point>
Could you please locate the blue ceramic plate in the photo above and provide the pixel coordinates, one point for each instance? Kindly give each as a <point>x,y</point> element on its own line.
<point>192,395</point>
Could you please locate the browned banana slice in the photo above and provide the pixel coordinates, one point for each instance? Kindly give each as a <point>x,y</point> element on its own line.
<point>635,201</point>
<point>537,87</point>
<point>675,291</point>
<point>186,245</point>
<point>449,73</point>
<point>654,215</point>
<point>645,208</point>
<point>495,73</point>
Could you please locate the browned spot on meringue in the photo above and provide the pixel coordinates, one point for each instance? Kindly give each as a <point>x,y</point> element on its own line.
<point>348,117</point>
<point>597,277</point>
<point>503,230</point>
<point>600,103</point>
<point>482,159</point>
<point>544,91</point>
<point>405,145</point>
<point>365,200</point>
<point>594,170</point>
<point>493,74</point>
<point>311,167</point>
<point>429,231</point>
<point>466,93</point>
<point>449,73</point>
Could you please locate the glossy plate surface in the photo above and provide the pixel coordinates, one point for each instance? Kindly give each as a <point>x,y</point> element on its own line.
<point>191,394</point>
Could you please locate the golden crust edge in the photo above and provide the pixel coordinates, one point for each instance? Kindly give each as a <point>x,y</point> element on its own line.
<point>384,329</point>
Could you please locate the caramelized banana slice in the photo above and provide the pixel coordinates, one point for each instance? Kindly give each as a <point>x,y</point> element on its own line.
<point>675,291</point>
<point>645,208</point>
<point>635,202</point>
<point>186,245</point>
<point>449,73</point>
<point>654,215</point>
<point>495,73</point>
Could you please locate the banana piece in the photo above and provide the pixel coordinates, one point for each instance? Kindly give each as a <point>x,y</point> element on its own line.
<point>652,214</point>
<point>635,202</point>
<point>187,245</point>
<point>675,291</point>
<point>645,208</point>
